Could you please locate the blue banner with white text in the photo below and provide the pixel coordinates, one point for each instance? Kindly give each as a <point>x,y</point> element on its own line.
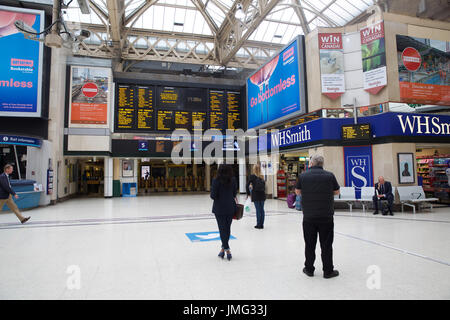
<point>358,165</point>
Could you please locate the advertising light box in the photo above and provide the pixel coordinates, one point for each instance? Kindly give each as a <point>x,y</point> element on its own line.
<point>20,64</point>
<point>276,92</point>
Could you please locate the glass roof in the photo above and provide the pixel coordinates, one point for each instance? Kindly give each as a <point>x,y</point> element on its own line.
<point>280,26</point>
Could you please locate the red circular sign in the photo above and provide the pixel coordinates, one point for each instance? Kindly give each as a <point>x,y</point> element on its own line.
<point>89,89</point>
<point>411,59</point>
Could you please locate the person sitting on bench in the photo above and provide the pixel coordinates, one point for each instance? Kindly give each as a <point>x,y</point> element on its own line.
<point>383,191</point>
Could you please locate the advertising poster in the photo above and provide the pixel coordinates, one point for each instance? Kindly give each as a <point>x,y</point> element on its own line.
<point>276,91</point>
<point>406,172</point>
<point>373,52</point>
<point>20,64</point>
<point>89,95</point>
<point>423,70</point>
<point>332,64</point>
<point>358,168</point>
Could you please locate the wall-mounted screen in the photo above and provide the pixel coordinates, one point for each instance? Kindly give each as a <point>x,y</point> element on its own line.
<point>276,92</point>
<point>20,64</point>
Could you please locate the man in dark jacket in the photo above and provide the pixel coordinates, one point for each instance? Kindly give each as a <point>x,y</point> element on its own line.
<point>6,193</point>
<point>317,188</point>
<point>383,191</point>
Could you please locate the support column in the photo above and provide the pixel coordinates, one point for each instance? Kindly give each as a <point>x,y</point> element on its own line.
<point>242,176</point>
<point>108,177</point>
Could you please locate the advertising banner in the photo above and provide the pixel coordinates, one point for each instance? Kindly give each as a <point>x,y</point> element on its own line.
<point>90,87</point>
<point>373,57</point>
<point>277,90</point>
<point>20,64</point>
<point>358,168</point>
<point>332,64</point>
<point>423,70</point>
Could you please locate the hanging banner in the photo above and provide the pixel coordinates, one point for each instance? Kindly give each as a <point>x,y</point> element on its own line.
<point>90,88</point>
<point>423,70</point>
<point>358,168</point>
<point>373,52</point>
<point>331,64</point>
<point>20,63</point>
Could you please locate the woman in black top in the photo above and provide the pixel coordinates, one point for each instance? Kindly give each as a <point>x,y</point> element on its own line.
<point>223,192</point>
<point>256,187</point>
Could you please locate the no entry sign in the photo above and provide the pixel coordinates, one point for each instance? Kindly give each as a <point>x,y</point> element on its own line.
<point>89,89</point>
<point>411,59</point>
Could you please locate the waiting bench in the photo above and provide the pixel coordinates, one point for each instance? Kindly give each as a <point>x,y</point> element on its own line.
<point>347,195</point>
<point>367,194</point>
<point>412,195</point>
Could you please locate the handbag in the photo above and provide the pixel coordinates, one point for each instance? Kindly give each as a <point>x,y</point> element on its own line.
<point>239,211</point>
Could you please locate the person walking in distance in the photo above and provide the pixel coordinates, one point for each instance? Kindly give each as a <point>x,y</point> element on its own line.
<point>317,188</point>
<point>223,192</point>
<point>256,188</point>
<point>6,193</point>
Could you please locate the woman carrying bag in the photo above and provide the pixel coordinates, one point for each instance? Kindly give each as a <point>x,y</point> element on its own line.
<point>223,192</point>
<point>256,187</point>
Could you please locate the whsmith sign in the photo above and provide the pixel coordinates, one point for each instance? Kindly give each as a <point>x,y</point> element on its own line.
<point>389,124</point>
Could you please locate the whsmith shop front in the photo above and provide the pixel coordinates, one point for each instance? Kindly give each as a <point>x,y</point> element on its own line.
<point>404,148</point>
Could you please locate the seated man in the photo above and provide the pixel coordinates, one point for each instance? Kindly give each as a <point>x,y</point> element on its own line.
<point>383,191</point>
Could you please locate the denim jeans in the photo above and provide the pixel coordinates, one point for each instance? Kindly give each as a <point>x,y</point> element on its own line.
<point>259,205</point>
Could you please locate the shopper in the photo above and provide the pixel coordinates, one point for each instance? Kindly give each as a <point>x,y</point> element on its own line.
<point>223,192</point>
<point>291,198</point>
<point>256,188</point>
<point>6,193</point>
<point>383,191</point>
<point>317,188</point>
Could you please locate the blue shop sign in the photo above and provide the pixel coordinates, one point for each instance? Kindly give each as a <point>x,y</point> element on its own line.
<point>20,141</point>
<point>382,125</point>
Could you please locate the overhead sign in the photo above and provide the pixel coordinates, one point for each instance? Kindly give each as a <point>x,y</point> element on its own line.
<point>423,70</point>
<point>373,57</point>
<point>358,168</point>
<point>356,132</point>
<point>20,141</point>
<point>20,64</point>
<point>276,92</point>
<point>89,99</point>
<point>332,64</point>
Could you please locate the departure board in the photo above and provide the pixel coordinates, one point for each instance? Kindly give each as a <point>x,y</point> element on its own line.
<point>199,119</point>
<point>165,120</point>
<point>195,99</point>
<point>216,110</point>
<point>170,97</point>
<point>183,120</point>
<point>356,132</point>
<point>154,108</point>
<point>233,114</point>
<point>145,110</point>
<point>125,108</point>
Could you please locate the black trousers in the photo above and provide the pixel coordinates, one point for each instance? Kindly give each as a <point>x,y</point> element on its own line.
<point>389,198</point>
<point>325,230</point>
<point>224,224</point>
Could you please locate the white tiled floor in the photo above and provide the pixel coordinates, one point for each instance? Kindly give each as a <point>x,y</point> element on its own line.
<point>136,248</point>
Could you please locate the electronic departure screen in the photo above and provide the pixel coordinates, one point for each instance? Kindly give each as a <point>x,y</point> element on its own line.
<point>356,132</point>
<point>147,108</point>
<point>125,108</point>
<point>217,110</point>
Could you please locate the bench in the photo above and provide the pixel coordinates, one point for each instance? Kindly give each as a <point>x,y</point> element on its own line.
<point>367,194</point>
<point>412,195</point>
<point>347,195</point>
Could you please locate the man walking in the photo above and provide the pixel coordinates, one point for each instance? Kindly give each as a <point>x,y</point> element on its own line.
<point>317,188</point>
<point>6,193</point>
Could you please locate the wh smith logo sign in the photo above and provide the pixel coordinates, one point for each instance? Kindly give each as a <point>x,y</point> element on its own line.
<point>420,124</point>
<point>358,168</point>
<point>299,134</point>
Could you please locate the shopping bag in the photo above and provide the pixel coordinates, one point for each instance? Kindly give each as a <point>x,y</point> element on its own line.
<point>248,206</point>
<point>239,212</point>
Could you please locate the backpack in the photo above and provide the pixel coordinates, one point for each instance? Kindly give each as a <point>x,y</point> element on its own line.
<point>259,185</point>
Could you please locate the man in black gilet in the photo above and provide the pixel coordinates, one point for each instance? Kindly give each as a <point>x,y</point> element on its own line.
<point>318,187</point>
